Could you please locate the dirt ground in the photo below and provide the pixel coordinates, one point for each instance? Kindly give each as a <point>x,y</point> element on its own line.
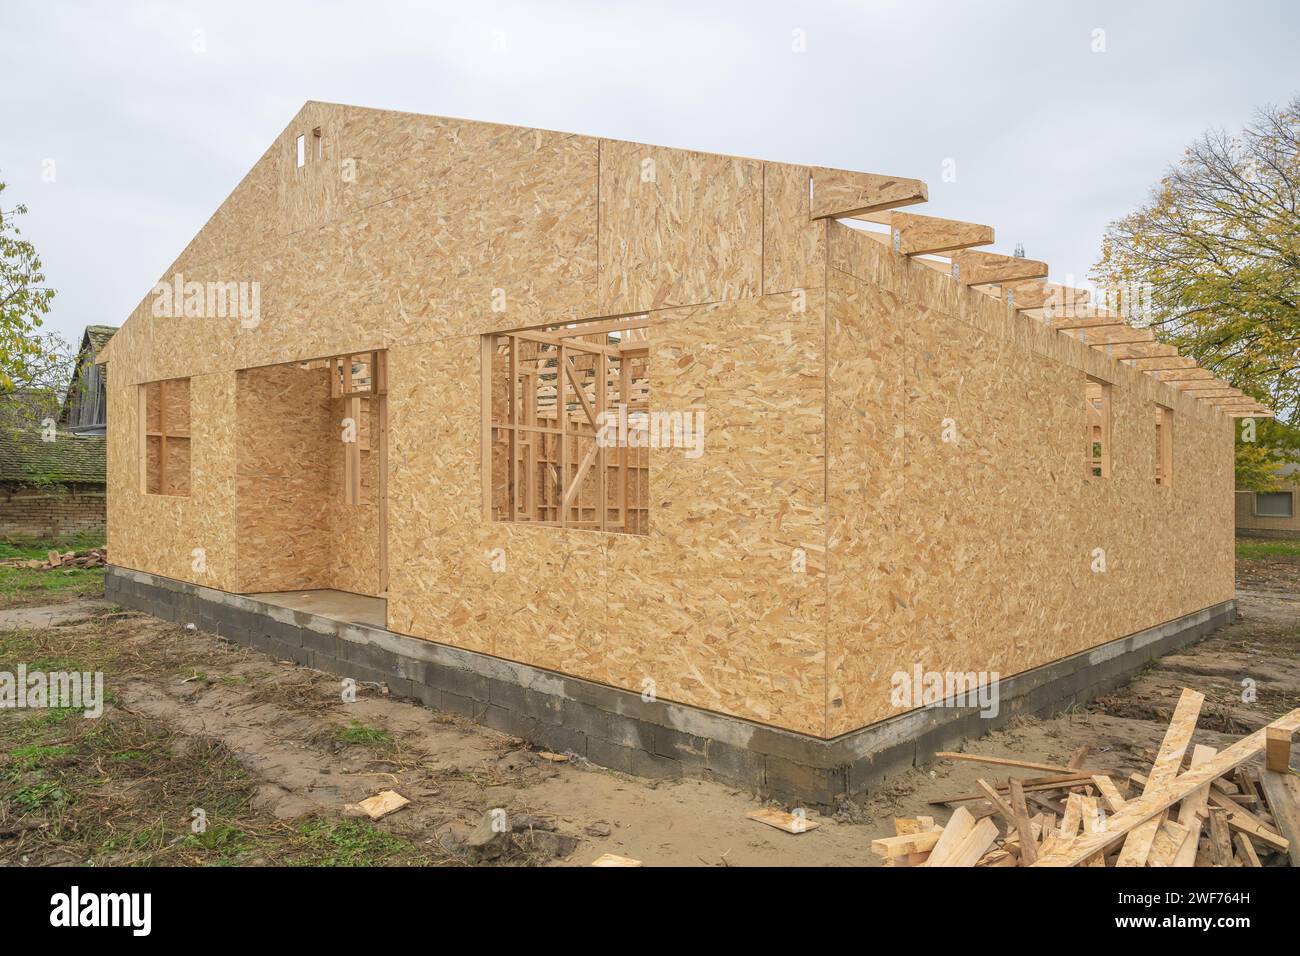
<point>271,757</point>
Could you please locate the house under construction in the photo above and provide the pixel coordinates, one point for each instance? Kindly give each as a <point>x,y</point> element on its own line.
<point>687,463</point>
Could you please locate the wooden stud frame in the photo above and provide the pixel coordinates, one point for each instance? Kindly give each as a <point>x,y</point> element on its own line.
<point>164,433</point>
<point>542,416</point>
<point>1164,446</point>
<point>1099,403</point>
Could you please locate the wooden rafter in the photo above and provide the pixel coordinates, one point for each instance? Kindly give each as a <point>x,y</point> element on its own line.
<point>839,194</point>
<point>972,267</point>
<point>915,235</point>
<point>1036,295</point>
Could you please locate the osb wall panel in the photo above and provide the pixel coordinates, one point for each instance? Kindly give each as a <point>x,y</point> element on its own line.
<point>794,247</point>
<point>985,553</point>
<point>354,532</point>
<point>677,227</point>
<point>161,533</point>
<point>447,227</point>
<point>709,605</point>
<point>441,553</point>
<point>284,454</point>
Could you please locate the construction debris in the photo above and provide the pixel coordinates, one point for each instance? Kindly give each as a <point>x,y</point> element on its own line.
<point>90,558</point>
<point>795,822</point>
<point>1221,809</point>
<point>382,804</point>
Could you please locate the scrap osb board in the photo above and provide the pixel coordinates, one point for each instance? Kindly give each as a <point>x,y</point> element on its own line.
<point>707,605</point>
<point>976,555</point>
<point>160,533</point>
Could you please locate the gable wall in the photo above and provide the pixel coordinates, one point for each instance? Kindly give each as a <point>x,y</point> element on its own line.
<point>407,257</point>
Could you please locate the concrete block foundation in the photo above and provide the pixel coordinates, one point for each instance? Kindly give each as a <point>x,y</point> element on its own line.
<point>615,728</point>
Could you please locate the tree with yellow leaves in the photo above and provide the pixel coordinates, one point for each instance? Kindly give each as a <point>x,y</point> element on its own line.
<point>1216,249</point>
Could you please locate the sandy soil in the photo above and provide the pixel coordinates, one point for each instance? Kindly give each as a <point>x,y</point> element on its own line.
<point>288,726</point>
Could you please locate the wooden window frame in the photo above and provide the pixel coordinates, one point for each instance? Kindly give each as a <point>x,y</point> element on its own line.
<point>1099,466</point>
<point>532,498</point>
<point>162,434</point>
<point>1164,446</point>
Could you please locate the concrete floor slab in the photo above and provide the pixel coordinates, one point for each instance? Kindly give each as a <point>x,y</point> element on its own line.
<point>335,605</point>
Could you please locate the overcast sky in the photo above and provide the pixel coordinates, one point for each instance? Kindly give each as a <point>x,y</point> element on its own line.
<point>145,135</point>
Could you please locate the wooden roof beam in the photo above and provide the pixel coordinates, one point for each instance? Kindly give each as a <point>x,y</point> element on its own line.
<point>1065,323</point>
<point>982,268</point>
<point>1110,335</point>
<point>1189,374</point>
<point>840,194</point>
<point>1161,364</point>
<point>1036,295</point>
<point>1202,384</point>
<point>1142,350</point>
<point>915,235</point>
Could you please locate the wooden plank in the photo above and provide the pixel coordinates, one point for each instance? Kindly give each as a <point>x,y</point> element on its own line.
<point>1191,814</point>
<point>1246,850</point>
<point>1170,757</point>
<point>1030,785</point>
<point>562,440</point>
<point>1220,840</point>
<point>1024,827</point>
<point>971,267</point>
<point>915,235</point>
<point>1168,840</point>
<point>1110,794</point>
<point>1282,792</point>
<point>958,827</point>
<point>906,844</point>
<point>1006,762</point>
<point>789,822</point>
<point>1277,749</point>
<point>840,193</point>
<point>1158,799</point>
<point>976,844</point>
<point>382,411</point>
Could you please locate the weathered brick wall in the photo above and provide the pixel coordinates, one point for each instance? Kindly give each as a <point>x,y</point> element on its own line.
<point>51,512</point>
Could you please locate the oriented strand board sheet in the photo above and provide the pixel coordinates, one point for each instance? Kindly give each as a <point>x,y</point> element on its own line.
<point>708,607</point>
<point>190,537</point>
<point>296,530</point>
<point>976,555</point>
<point>284,453</point>
<point>677,227</point>
<point>794,246</point>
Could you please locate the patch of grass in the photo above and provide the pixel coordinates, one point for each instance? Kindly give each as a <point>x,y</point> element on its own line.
<point>1255,549</point>
<point>351,843</point>
<point>358,733</point>
<point>32,756</point>
<point>229,844</point>
<point>24,586</point>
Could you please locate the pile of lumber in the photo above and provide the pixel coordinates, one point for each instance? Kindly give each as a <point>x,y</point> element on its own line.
<point>90,558</point>
<point>1196,807</point>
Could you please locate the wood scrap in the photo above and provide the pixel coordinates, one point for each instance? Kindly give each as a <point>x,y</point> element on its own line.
<point>781,820</point>
<point>89,558</point>
<point>1200,816</point>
